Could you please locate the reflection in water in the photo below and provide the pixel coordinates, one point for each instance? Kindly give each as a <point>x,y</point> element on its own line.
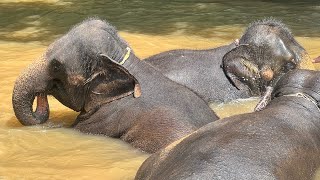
<point>54,151</point>
<point>46,19</point>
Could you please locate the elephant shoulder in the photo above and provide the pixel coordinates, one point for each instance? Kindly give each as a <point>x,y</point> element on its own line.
<point>156,128</point>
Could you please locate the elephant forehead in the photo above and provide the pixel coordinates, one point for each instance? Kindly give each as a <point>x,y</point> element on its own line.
<point>66,49</point>
<point>262,39</point>
<point>72,63</point>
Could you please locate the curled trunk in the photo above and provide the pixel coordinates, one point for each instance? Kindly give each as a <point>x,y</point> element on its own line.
<point>31,83</point>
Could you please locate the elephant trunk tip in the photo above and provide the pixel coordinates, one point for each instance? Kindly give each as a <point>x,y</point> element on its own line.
<point>39,116</point>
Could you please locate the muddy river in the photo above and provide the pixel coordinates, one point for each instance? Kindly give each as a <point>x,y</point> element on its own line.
<point>52,150</point>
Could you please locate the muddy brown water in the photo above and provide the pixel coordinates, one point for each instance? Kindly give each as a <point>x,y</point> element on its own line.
<point>52,150</point>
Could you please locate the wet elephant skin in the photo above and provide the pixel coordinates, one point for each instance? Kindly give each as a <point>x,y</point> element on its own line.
<point>281,141</point>
<point>242,69</point>
<point>94,71</point>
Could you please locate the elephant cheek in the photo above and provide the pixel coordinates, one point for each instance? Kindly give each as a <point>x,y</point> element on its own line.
<point>71,98</point>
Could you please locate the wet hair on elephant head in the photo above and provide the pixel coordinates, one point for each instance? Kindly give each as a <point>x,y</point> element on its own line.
<point>92,70</point>
<point>265,52</point>
<point>243,69</point>
<point>282,141</point>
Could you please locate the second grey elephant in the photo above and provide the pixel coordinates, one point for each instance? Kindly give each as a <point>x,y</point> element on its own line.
<point>92,70</point>
<point>279,142</point>
<point>242,69</point>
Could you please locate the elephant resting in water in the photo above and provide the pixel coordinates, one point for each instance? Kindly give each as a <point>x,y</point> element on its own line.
<point>93,71</point>
<point>242,69</point>
<point>281,141</point>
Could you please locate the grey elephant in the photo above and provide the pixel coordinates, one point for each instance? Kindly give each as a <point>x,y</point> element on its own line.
<point>241,69</point>
<point>281,141</point>
<point>92,70</point>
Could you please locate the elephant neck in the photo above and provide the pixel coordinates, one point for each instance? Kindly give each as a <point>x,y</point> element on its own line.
<point>302,101</point>
<point>130,62</point>
<point>147,76</point>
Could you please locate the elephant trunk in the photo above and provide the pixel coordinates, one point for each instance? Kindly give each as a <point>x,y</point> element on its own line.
<point>31,83</point>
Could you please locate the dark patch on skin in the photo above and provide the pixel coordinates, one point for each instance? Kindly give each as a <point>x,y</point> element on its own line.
<point>267,73</point>
<point>76,80</point>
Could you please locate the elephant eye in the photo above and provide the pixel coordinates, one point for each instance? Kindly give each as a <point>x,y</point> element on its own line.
<point>56,65</point>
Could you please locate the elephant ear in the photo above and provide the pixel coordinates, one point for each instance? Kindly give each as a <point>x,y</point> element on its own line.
<point>109,82</point>
<point>241,68</point>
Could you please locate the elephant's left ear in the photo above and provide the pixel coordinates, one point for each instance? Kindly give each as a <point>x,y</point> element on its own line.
<point>109,82</point>
<point>111,63</point>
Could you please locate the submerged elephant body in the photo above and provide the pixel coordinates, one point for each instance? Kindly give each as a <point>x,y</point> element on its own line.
<point>93,71</point>
<point>242,69</point>
<point>162,114</point>
<point>200,71</point>
<point>280,142</point>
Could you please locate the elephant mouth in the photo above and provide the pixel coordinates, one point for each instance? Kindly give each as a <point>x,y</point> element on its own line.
<point>42,109</point>
<point>69,97</point>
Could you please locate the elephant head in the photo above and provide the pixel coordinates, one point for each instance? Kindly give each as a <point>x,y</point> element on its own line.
<point>299,82</point>
<point>82,69</point>
<point>265,52</point>
<point>276,36</point>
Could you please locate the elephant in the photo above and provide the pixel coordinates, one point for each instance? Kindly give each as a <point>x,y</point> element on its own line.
<point>242,69</point>
<point>282,141</point>
<point>92,70</point>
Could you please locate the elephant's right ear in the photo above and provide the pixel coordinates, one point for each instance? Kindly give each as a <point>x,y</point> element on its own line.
<point>241,68</point>
<point>109,82</point>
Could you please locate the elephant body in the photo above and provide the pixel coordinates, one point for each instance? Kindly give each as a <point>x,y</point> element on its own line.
<point>92,70</point>
<point>199,70</point>
<point>165,112</point>
<point>245,68</point>
<point>281,141</point>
